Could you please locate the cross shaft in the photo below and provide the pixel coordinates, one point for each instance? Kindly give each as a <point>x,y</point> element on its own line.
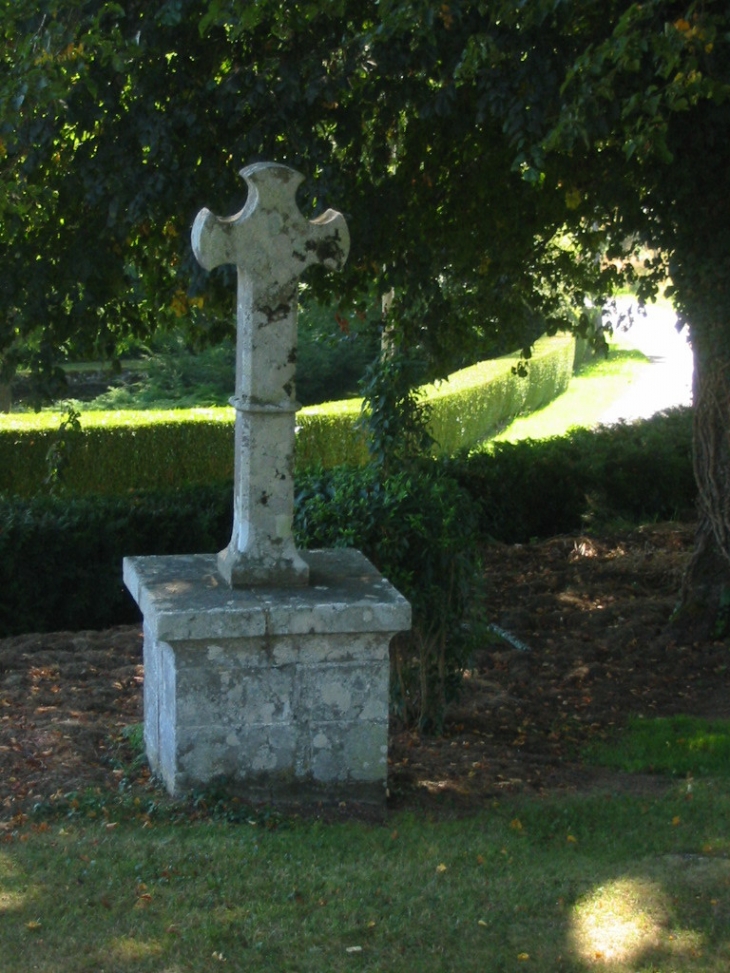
<point>271,244</point>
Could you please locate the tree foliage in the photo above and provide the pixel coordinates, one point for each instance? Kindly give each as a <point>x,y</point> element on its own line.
<point>500,163</point>
<point>643,113</point>
<point>119,121</point>
<point>435,128</point>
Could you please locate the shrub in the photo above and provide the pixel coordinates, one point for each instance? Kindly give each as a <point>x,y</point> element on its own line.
<point>114,452</point>
<point>329,435</point>
<point>631,472</point>
<point>174,377</point>
<point>476,401</point>
<point>61,559</point>
<point>526,489</point>
<point>419,529</point>
<point>642,470</point>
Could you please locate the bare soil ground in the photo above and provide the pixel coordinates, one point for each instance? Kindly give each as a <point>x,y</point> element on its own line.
<point>591,611</point>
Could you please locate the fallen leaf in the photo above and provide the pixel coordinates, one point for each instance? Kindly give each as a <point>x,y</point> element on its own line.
<point>441,868</point>
<point>33,925</point>
<point>353,949</point>
<point>516,824</point>
<point>523,956</point>
<point>572,840</point>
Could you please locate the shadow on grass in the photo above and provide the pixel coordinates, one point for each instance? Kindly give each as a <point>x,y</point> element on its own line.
<point>573,884</point>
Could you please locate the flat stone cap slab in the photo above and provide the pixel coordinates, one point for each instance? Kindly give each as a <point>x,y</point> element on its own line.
<point>184,597</point>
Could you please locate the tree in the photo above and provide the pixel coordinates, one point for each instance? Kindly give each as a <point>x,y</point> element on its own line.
<point>668,68</point>
<point>500,164</point>
<point>618,116</point>
<point>629,105</point>
<point>120,121</point>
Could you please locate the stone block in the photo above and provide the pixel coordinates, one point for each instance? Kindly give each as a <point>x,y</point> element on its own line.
<point>281,692</point>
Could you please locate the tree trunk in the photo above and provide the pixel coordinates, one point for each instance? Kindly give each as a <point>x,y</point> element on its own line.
<point>705,598</point>
<point>6,398</point>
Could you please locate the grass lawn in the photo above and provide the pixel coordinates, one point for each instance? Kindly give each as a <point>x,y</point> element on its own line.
<point>589,396</point>
<point>617,883</point>
<point>677,745</point>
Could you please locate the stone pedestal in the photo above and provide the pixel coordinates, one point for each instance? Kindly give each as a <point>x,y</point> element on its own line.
<point>267,667</point>
<point>282,692</point>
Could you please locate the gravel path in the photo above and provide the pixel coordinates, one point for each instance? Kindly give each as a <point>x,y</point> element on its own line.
<point>668,383</point>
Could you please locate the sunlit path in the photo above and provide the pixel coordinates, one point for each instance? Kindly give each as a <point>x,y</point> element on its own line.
<point>668,382</point>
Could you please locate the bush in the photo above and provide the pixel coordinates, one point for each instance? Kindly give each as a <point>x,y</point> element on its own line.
<point>477,401</point>
<point>419,529</point>
<point>330,367</point>
<point>174,376</point>
<point>329,435</point>
<point>631,472</point>
<point>116,452</point>
<point>61,559</point>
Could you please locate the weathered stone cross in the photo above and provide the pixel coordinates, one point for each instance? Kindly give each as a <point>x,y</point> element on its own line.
<point>271,244</point>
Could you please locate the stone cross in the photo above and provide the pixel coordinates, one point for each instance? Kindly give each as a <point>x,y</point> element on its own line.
<point>271,244</point>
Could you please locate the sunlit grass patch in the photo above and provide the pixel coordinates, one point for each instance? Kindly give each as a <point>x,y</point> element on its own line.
<point>676,745</point>
<point>16,891</point>
<point>655,917</point>
<point>619,920</point>
<point>589,396</point>
<point>614,883</point>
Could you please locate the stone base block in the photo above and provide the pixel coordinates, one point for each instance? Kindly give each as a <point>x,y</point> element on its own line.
<point>282,692</point>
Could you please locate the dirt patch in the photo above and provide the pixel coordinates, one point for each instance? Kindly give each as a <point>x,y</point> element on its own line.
<point>590,615</point>
<point>64,699</point>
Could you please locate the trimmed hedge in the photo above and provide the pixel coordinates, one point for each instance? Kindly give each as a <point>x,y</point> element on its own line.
<point>61,559</point>
<point>476,401</point>
<point>328,435</point>
<point>118,452</point>
<point>631,471</point>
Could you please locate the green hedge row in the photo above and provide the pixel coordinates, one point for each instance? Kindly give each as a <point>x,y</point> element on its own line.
<point>477,401</point>
<point>61,558</point>
<point>633,472</point>
<point>115,453</point>
<point>118,452</point>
